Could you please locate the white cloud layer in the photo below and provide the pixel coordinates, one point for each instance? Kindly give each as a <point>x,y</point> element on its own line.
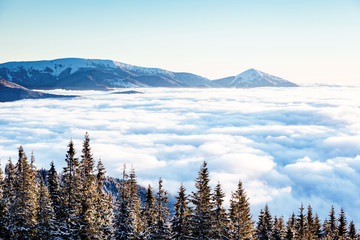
<point>288,145</point>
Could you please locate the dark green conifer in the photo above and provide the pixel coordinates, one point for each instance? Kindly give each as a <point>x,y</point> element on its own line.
<point>352,231</point>
<point>180,222</point>
<point>89,229</point>
<point>342,226</point>
<point>103,205</point>
<point>123,225</point>
<point>264,229</point>
<point>317,227</point>
<point>201,199</point>
<point>300,223</point>
<point>71,195</point>
<point>279,228</point>
<point>161,229</point>
<point>54,192</point>
<point>148,212</point>
<point>24,201</point>
<point>309,224</point>
<point>242,226</point>
<point>46,227</point>
<point>135,205</point>
<point>220,219</point>
<point>291,227</point>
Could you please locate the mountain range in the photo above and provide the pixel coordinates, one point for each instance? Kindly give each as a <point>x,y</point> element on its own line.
<point>10,91</point>
<point>95,74</point>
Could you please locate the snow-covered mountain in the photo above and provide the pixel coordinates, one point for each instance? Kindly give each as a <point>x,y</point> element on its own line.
<point>253,78</point>
<point>10,91</point>
<point>95,74</point>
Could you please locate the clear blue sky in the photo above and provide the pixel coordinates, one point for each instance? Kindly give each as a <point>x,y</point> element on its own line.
<point>300,40</point>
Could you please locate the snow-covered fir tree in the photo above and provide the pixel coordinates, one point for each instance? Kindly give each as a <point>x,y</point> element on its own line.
<point>220,218</point>
<point>201,221</point>
<point>24,201</point>
<point>46,221</point>
<point>103,205</point>
<point>279,229</point>
<point>264,229</point>
<point>148,212</point>
<point>71,195</point>
<point>242,226</point>
<point>160,230</point>
<point>123,225</point>
<point>180,222</point>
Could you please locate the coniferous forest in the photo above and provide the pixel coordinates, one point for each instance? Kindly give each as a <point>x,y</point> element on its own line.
<point>72,204</point>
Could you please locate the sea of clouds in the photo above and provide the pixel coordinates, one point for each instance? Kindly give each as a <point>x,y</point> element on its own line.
<point>288,145</point>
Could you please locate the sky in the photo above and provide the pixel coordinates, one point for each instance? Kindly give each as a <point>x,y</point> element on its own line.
<point>302,41</point>
<point>287,145</point>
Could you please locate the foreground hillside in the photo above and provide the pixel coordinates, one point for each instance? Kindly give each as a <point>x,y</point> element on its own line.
<point>73,205</point>
<point>95,74</point>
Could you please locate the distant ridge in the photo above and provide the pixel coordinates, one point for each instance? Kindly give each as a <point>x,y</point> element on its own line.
<point>10,91</point>
<point>254,78</point>
<point>95,74</point>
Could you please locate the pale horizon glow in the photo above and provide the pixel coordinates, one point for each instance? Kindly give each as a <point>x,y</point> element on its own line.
<point>301,41</point>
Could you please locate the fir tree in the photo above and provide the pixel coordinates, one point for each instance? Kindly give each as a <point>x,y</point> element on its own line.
<point>24,201</point>
<point>46,228</point>
<point>240,216</point>
<point>291,227</point>
<point>342,226</point>
<point>279,229</point>
<point>9,196</point>
<point>103,205</point>
<point>71,195</point>
<point>135,205</point>
<point>317,227</point>
<point>352,231</point>
<point>160,229</point>
<point>54,192</point>
<point>201,199</point>
<point>89,229</point>
<point>264,229</point>
<point>330,225</point>
<point>3,208</point>
<point>309,224</point>
<point>148,212</point>
<point>220,219</point>
<point>300,223</point>
<point>180,222</point>
<point>123,225</point>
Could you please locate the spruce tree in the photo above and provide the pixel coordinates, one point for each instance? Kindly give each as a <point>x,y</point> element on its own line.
<point>3,207</point>
<point>24,202</point>
<point>9,196</point>
<point>201,199</point>
<point>352,231</point>
<point>88,226</point>
<point>46,227</point>
<point>103,205</point>
<point>300,223</point>
<point>291,228</point>
<point>54,192</point>
<point>264,229</point>
<point>71,195</point>
<point>161,229</point>
<point>342,226</point>
<point>330,226</point>
<point>309,224</point>
<point>123,225</point>
<point>180,222</point>
<point>220,219</point>
<point>279,228</point>
<point>135,205</point>
<point>148,212</point>
<point>242,226</point>
<point>317,227</point>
